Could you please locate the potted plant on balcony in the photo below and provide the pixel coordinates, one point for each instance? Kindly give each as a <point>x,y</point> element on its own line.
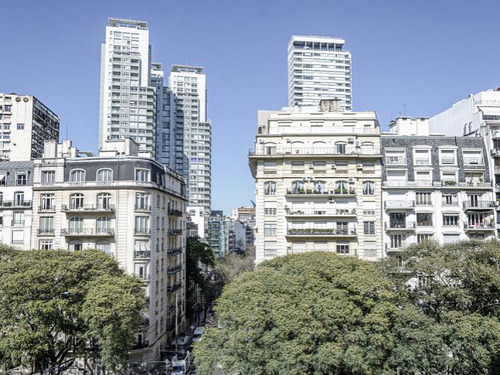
<point>309,191</point>
<point>450,183</point>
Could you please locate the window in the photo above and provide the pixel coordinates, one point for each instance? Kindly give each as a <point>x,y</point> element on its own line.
<point>270,208</point>
<point>368,188</point>
<point>340,148</point>
<point>270,248</point>
<point>46,225</point>
<point>396,175</point>
<point>450,220</point>
<point>270,188</point>
<point>18,218</point>
<point>76,225</point>
<point>451,238</point>
<point>48,177</point>
<point>103,225</point>
<point>77,175</point>
<point>424,237</point>
<point>141,271</point>
<point>45,245</point>
<point>397,220</point>
<point>141,201</point>
<point>397,241</point>
<point>18,198</point>
<point>142,175</point>
<point>76,201</point>
<point>342,227</point>
<point>450,200</point>
<point>319,187</point>
<point>104,175</point>
<point>75,246</point>
<point>21,179</point>
<point>424,219</point>
<point>447,157</point>
<point>46,202</point>
<point>369,227</point>
<point>473,157</point>
<point>395,157</point>
<point>20,126</point>
<point>342,248</point>
<point>449,178</point>
<point>142,224</point>
<point>2,179</point>
<point>423,198</point>
<point>341,187</point>
<point>297,187</point>
<point>104,201</point>
<point>269,228</point>
<point>422,157</point>
<point>423,176</point>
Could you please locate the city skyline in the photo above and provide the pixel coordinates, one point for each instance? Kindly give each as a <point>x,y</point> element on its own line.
<point>414,59</point>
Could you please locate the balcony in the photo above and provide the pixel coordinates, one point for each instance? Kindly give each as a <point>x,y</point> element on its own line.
<point>330,193</point>
<point>47,208</point>
<point>321,212</point>
<point>175,213</point>
<point>175,232</point>
<point>399,226</point>
<point>451,184</point>
<point>175,251</point>
<point>78,232</point>
<point>46,232</point>
<point>323,232</point>
<point>142,207</point>
<point>142,254</point>
<point>17,223</point>
<point>15,204</point>
<point>309,151</point>
<point>479,227</point>
<point>479,206</point>
<point>174,270</point>
<point>173,288</point>
<point>399,205</point>
<point>88,208</point>
<point>142,232</point>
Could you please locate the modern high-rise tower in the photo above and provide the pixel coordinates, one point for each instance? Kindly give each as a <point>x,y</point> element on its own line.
<point>318,68</point>
<point>127,99</point>
<point>188,84</point>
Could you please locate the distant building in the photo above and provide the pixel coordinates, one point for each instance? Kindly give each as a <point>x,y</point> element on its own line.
<point>317,182</point>
<point>128,206</point>
<point>16,205</point>
<point>219,234</point>
<point>25,123</point>
<point>319,68</point>
<point>435,187</point>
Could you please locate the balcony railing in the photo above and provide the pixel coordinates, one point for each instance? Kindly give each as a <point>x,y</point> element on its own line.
<point>87,232</point>
<point>142,254</point>
<point>349,191</point>
<point>473,227</point>
<point>142,207</point>
<point>321,232</point>
<point>174,270</point>
<point>142,231</point>
<point>448,204</point>
<point>479,205</point>
<point>422,161</point>
<point>47,208</point>
<point>173,288</point>
<point>88,207</point>
<point>15,204</point>
<point>399,225</point>
<point>399,204</point>
<point>175,213</point>
<point>403,183</point>
<point>16,223</point>
<point>348,150</point>
<point>46,232</point>
<point>323,212</point>
<point>175,251</point>
<point>175,232</point>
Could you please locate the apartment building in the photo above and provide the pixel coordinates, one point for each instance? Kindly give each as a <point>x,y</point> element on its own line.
<point>318,182</point>
<point>25,123</point>
<point>220,234</point>
<point>16,181</point>
<point>319,68</point>
<point>127,205</point>
<point>435,187</point>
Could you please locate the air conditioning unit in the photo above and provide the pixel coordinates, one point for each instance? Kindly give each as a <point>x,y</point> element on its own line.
<point>333,166</point>
<point>311,167</point>
<point>288,140</point>
<point>261,141</point>
<point>358,144</point>
<point>359,166</point>
<point>493,152</point>
<point>350,140</point>
<point>352,179</point>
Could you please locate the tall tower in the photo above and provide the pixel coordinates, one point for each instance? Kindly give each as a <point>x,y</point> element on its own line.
<point>127,99</point>
<point>318,68</point>
<point>188,84</point>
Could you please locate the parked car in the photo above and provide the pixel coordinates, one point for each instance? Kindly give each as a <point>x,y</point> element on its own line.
<point>181,366</point>
<point>198,334</point>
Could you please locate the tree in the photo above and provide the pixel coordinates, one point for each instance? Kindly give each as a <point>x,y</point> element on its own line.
<point>57,302</point>
<point>315,313</point>
<point>199,260</point>
<point>234,265</point>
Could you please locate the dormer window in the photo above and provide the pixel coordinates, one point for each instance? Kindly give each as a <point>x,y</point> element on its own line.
<point>447,157</point>
<point>77,175</point>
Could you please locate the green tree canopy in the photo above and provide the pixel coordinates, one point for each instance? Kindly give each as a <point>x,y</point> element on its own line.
<point>55,302</point>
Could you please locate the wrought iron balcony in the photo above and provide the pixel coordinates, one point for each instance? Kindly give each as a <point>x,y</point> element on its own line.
<point>87,232</point>
<point>88,208</point>
<point>142,254</point>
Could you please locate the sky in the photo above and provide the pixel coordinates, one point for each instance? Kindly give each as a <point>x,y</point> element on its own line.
<point>413,58</point>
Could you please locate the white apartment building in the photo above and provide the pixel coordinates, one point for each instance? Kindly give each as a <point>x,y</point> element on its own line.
<point>25,123</point>
<point>127,99</point>
<point>317,182</point>
<point>130,207</point>
<point>434,187</point>
<point>318,68</point>
<point>188,84</point>
<point>16,181</point>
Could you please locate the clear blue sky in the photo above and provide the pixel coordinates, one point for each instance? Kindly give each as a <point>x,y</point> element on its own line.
<point>419,55</point>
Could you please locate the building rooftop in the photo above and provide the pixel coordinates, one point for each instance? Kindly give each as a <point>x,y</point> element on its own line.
<point>186,69</point>
<point>117,22</point>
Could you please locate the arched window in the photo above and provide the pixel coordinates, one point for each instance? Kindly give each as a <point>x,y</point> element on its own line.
<point>77,175</point>
<point>319,187</point>
<point>105,175</point>
<point>298,187</point>
<point>341,187</point>
<point>367,148</point>
<point>319,148</point>
<point>76,201</point>
<point>297,147</point>
<point>340,148</point>
<point>269,188</point>
<point>104,201</point>
<point>270,148</point>
<point>368,188</point>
